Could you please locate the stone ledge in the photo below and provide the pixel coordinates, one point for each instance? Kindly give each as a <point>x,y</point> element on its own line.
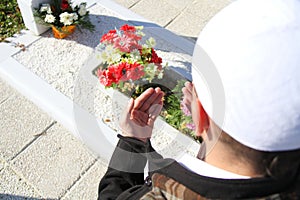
<point>55,96</point>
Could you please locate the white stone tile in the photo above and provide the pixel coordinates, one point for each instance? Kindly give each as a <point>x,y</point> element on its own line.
<point>5,91</point>
<point>149,10</point>
<point>20,121</point>
<point>6,50</point>
<point>13,186</point>
<point>187,25</point>
<point>54,162</point>
<point>206,9</point>
<point>179,4</point>
<point>2,163</point>
<point>92,179</point>
<point>196,15</point>
<point>127,3</point>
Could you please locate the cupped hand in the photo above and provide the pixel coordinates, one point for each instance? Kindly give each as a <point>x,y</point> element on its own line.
<point>187,91</point>
<point>138,118</point>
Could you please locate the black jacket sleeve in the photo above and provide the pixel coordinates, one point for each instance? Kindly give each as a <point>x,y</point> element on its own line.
<point>126,168</point>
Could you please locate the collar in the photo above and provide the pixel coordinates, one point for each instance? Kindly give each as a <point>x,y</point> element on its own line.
<point>211,187</point>
<point>202,168</point>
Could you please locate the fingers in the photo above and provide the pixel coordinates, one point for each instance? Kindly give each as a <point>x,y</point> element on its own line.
<point>187,94</point>
<point>148,98</point>
<point>130,105</point>
<point>154,111</point>
<point>187,89</point>
<point>147,107</point>
<point>139,102</point>
<point>139,117</point>
<point>125,116</point>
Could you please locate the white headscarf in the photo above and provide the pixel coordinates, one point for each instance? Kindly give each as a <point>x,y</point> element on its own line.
<point>249,81</point>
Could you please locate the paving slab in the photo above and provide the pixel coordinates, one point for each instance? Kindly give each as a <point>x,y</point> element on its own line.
<point>207,8</point>
<point>2,163</point>
<point>187,25</point>
<point>90,179</point>
<point>196,15</point>
<point>127,3</point>
<point>54,162</point>
<point>181,5</point>
<point>20,122</point>
<point>149,10</point>
<point>13,186</point>
<point>5,91</point>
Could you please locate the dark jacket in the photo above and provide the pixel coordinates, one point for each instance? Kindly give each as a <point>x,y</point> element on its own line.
<point>167,179</point>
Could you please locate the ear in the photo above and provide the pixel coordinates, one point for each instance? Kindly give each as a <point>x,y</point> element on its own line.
<point>203,123</point>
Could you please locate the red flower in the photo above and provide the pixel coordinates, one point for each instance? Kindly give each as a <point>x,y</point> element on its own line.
<point>104,78</point>
<point>127,42</point>
<point>109,37</point>
<point>155,59</point>
<point>118,71</point>
<point>135,72</point>
<point>113,74</point>
<point>126,28</point>
<point>64,5</point>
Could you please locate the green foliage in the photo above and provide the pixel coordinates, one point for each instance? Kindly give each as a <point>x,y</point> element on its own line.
<point>11,21</point>
<point>172,112</point>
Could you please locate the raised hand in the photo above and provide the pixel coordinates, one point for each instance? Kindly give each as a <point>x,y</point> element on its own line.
<point>138,118</point>
<point>188,94</point>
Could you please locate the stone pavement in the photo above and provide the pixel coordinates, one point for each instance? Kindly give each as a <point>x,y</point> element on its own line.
<point>39,158</point>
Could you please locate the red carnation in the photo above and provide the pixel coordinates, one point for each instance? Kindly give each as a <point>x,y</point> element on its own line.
<point>113,74</point>
<point>126,28</point>
<point>109,37</point>
<point>135,72</point>
<point>104,79</point>
<point>127,42</point>
<point>139,71</point>
<point>155,59</point>
<point>64,5</point>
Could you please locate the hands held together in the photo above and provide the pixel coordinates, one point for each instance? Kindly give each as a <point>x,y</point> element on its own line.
<point>138,118</point>
<point>140,114</point>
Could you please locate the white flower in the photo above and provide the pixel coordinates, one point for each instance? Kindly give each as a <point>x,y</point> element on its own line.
<point>150,70</point>
<point>49,18</point>
<point>75,16</point>
<point>135,54</point>
<point>151,42</point>
<point>82,10</point>
<point>66,18</point>
<point>45,7</point>
<point>109,55</point>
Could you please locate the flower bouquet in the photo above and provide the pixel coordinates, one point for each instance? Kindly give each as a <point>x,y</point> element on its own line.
<point>130,67</point>
<point>125,59</point>
<point>63,17</point>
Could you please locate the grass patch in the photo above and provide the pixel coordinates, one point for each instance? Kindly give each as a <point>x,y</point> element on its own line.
<point>11,21</point>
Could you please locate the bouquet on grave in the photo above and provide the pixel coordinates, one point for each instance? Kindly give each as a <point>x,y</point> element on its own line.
<point>63,16</point>
<point>125,59</point>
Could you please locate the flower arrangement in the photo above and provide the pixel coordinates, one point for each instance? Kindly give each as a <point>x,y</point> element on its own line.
<point>125,59</point>
<point>61,13</point>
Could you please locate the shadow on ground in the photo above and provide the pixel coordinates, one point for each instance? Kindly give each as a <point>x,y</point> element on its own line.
<point>17,197</point>
<point>104,23</point>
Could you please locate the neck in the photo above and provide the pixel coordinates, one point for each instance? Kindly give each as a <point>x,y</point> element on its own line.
<point>221,157</point>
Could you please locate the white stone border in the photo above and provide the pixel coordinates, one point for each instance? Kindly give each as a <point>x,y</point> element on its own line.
<point>57,105</point>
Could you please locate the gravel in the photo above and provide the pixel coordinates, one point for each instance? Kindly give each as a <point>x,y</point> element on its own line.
<point>63,64</point>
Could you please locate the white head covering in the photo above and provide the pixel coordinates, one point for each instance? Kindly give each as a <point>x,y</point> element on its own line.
<point>253,92</point>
